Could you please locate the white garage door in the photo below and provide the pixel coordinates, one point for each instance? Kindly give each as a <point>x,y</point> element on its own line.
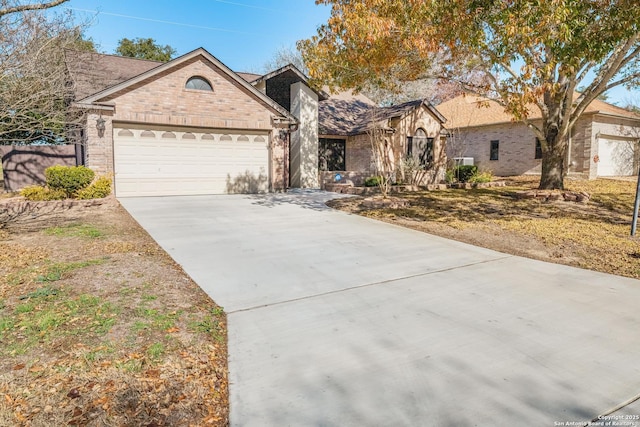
<point>166,162</point>
<point>616,157</point>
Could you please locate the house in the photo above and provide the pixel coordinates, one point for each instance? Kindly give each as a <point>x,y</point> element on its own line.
<point>602,143</point>
<point>346,121</point>
<point>188,126</point>
<point>194,126</point>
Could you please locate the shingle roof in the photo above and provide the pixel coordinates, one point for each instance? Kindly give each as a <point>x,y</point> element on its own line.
<point>469,111</point>
<point>93,72</point>
<point>340,116</point>
<point>250,77</point>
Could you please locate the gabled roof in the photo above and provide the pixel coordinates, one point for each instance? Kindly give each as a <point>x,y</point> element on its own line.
<point>96,97</point>
<point>298,75</point>
<point>470,111</point>
<point>93,72</point>
<point>339,116</point>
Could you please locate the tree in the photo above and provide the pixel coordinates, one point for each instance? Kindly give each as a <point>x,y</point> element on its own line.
<point>284,56</point>
<point>531,55</point>
<point>8,7</point>
<point>35,94</point>
<point>145,49</point>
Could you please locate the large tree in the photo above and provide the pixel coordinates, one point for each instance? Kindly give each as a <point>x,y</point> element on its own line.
<point>531,54</point>
<point>35,94</point>
<point>145,49</point>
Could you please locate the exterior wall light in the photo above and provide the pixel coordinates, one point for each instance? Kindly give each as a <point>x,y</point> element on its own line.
<point>100,126</point>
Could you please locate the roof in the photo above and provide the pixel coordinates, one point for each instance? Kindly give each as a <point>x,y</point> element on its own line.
<point>291,70</point>
<point>161,67</point>
<point>93,72</point>
<point>250,77</point>
<point>469,111</point>
<point>343,116</point>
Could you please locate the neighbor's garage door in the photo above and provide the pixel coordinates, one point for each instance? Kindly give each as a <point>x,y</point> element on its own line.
<point>616,157</point>
<point>164,162</point>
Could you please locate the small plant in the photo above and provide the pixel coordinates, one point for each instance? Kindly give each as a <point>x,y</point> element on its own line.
<point>412,170</point>
<point>99,189</point>
<point>481,177</point>
<point>373,181</point>
<point>37,193</point>
<point>68,178</point>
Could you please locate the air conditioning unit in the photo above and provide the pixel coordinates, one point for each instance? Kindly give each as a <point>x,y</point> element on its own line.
<point>467,161</point>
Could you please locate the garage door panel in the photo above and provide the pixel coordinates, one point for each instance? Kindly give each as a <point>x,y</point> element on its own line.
<point>616,157</point>
<point>155,166</point>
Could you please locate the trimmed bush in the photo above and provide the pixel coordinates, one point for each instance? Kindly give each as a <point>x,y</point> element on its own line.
<point>70,179</point>
<point>38,193</point>
<point>463,173</point>
<point>99,189</point>
<point>373,181</point>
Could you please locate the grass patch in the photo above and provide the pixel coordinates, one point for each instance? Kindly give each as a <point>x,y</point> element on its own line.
<point>41,320</point>
<point>75,230</point>
<point>594,235</point>
<point>50,271</point>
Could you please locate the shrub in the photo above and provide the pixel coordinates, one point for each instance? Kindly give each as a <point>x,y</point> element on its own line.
<point>481,177</point>
<point>38,193</point>
<point>373,181</point>
<point>70,179</point>
<point>100,188</point>
<point>463,173</point>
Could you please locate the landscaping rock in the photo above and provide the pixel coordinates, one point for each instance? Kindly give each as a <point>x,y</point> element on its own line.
<point>384,203</point>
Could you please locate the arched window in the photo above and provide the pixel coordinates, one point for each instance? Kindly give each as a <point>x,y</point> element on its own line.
<point>421,147</point>
<point>199,83</point>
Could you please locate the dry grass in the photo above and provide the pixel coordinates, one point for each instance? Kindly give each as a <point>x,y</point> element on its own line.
<point>594,236</point>
<point>99,327</point>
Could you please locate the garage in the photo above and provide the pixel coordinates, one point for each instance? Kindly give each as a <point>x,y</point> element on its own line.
<point>169,162</point>
<point>616,157</point>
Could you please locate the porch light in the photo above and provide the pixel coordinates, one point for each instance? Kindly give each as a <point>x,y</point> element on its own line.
<point>100,126</point>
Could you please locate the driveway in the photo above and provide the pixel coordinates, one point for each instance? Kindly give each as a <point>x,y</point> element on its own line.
<point>339,320</point>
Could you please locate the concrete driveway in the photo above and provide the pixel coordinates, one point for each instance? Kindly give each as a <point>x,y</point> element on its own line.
<point>338,320</point>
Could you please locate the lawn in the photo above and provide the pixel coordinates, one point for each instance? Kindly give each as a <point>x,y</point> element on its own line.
<point>594,236</point>
<point>99,326</point>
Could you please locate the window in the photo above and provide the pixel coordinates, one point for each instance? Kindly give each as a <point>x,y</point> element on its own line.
<point>199,83</point>
<point>495,148</point>
<point>331,154</point>
<point>421,147</point>
<point>538,149</point>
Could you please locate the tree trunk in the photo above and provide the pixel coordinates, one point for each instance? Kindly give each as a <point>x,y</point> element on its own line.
<point>552,177</point>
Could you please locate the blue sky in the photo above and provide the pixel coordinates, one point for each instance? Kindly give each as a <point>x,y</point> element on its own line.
<point>243,34</point>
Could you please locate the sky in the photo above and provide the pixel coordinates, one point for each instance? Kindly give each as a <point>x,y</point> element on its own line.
<point>243,34</point>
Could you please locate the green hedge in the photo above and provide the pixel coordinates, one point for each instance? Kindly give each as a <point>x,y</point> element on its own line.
<point>70,179</point>
<point>464,173</point>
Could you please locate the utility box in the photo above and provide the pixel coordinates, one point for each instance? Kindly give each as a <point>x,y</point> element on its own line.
<point>463,161</point>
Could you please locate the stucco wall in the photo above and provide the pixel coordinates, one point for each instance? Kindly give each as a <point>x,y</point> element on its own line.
<point>304,142</point>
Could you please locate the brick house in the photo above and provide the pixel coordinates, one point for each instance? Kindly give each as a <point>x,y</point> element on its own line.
<point>346,121</point>
<point>194,126</point>
<point>602,143</point>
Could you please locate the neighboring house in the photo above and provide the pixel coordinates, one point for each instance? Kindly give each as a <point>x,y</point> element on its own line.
<point>412,129</point>
<point>603,142</point>
<point>194,126</point>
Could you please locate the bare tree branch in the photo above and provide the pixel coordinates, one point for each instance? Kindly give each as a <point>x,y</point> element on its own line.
<point>26,7</point>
